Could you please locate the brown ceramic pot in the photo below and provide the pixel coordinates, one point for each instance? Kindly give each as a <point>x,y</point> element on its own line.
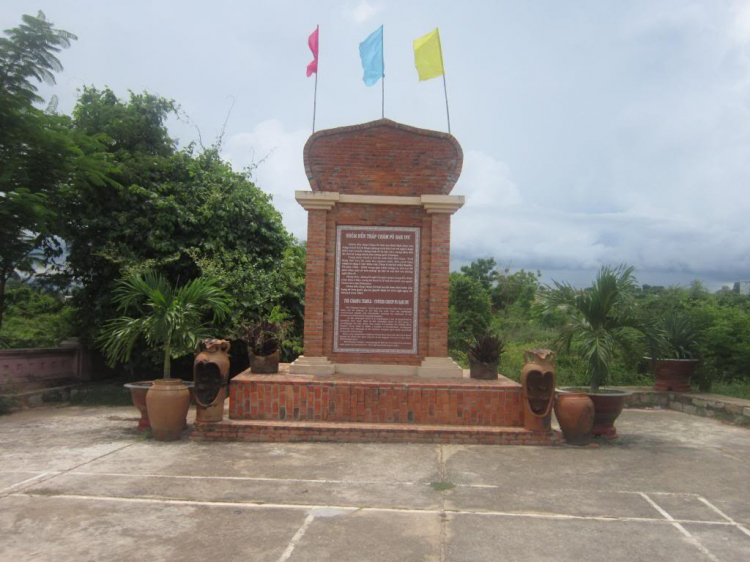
<point>575,414</point>
<point>138,392</point>
<point>168,402</point>
<point>608,405</point>
<point>265,364</point>
<point>210,372</point>
<point>483,371</point>
<point>538,389</point>
<point>673,375</point>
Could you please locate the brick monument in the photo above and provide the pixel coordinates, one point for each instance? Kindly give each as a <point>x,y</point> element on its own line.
<point>378,250</point>
<point>376,365</point>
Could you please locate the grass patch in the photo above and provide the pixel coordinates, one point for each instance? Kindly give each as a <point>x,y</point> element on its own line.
<point>736,389</point>
<point>442,486</point>
<point>109,394</point>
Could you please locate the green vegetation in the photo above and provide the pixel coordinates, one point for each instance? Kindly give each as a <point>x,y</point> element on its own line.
<point>712,327</point>
<point>105,192</point>
<point>35,317</point>
<point>107,394</point>
<point>168,319</point>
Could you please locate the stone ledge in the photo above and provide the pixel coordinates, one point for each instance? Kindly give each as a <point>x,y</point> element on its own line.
<point>352,432</point>
<point>724,408</point>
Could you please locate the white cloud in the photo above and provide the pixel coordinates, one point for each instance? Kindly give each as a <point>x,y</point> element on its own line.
<point>360,12</point>
<point>280,171</point>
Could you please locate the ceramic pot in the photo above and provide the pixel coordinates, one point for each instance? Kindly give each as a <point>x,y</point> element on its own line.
<point>608,405</point>
<point>265,364</point>
<point>538,389</point>
<point>138,392</point>
<point>210,373</point>
<point>575,414</point>
<point>168,401</point>
<point>673,375</point>
<point>483,371</point>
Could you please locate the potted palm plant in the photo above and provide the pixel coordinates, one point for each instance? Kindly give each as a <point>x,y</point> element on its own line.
<point>676,364</point>
<point>171,319</point>
<point>601,320</point>
<point>484,356</point>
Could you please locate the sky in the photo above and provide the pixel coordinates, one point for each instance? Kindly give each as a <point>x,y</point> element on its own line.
<point>593,132</point>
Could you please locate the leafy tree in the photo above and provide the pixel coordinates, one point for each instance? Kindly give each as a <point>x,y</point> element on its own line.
<point>469,311</point>
<point>168,318</point>
<point>39,152</point>
<point>177,212</point>
<point>482,270</point>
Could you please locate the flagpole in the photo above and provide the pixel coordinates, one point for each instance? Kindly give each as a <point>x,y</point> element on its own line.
<point>317,69</point>
<point>447,112</point>
<point>382,95</point>
<point>445,85</point>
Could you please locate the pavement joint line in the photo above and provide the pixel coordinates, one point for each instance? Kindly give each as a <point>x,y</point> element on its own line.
<point>296,538</point>
<point>688,535</point>
<point>8,488</point>
<point>240,478</point>
<point>54,474</point>
<point>725,516</point>
<point>310,507</point>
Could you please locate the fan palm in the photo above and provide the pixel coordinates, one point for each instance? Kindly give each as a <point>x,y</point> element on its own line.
<point>168,318</point>
<point>602,319</point>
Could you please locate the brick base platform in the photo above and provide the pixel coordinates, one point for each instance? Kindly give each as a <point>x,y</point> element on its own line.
<point>372,409</point>
<point>373,399</point>
<point>354,432</point>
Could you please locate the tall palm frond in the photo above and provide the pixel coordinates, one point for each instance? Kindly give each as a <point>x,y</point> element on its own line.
<point>602,319</point>
<point>172,319</point>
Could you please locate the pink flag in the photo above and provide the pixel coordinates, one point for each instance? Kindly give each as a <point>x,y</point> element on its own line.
<point>312,41</point>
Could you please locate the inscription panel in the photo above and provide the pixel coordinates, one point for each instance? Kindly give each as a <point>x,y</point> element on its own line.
<point>377,289</point>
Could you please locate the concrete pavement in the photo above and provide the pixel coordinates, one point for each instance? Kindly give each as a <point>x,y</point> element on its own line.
<point>81,484</point>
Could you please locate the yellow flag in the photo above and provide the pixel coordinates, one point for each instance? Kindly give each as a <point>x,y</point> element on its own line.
<point>428,56</point>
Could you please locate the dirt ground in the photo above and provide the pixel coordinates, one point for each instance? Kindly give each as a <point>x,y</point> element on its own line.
<point>82,484</point>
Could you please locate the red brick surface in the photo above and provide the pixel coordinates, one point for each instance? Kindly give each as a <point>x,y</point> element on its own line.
<point>463,402</point>
<point>383,158</point>
<point>348,432</point>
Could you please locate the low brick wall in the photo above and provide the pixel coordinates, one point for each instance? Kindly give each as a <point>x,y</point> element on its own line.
<point>23,370</point>
<point>725,408</point>
<point>376,400</point>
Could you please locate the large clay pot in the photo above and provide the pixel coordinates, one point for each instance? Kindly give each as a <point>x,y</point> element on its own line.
<point>168,401</point>
<point>210,372</point>
<point>575,414</point>
<point>138,392</point>
<point>265,364</point>
<point>608,405</point>
<point>673,375</point>
<point>538,389</point>
<point>483,371</point>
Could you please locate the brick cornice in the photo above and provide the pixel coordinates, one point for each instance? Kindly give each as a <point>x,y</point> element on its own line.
<point>435,159</point>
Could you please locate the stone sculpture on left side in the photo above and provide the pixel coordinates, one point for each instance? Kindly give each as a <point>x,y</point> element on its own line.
<point>210,373</point>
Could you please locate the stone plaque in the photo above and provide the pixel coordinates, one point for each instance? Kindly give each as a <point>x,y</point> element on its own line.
<point>377,289</point>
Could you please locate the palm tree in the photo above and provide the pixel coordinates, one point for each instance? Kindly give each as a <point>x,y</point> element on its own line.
<point>602,319</point>
<point>169,318</point>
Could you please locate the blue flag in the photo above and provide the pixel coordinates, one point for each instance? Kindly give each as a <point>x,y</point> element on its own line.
<point>371,53</point>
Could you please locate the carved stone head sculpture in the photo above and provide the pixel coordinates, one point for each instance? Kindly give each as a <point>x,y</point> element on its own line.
<point>538,389</point>
<point>210,372</point>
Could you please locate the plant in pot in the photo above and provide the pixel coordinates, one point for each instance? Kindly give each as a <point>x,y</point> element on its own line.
<point>170,319</point>
<point>264,340</point>
<point>484,356</point>
<point>601,321</point>
<point>675,363</point>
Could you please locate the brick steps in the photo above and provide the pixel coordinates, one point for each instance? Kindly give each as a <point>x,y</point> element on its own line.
<point>358,432</point>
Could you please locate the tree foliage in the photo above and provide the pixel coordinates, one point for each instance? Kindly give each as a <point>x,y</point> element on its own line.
<point>39,152</point>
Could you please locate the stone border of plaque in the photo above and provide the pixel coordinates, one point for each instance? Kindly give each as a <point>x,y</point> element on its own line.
<point>340,229</point>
